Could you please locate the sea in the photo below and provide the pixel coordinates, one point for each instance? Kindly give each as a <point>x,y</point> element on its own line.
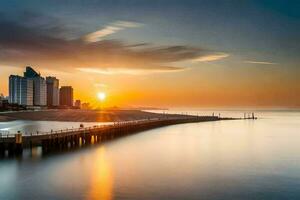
<point>238,159</point>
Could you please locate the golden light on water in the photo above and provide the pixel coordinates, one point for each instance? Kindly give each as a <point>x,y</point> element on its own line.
<point>101,186</point>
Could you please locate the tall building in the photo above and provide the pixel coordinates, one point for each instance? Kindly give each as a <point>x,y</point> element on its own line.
<point>20,90</point>
<point>28,90</point>
<point>66,96</point>
<point>39,86</point>
<point>14,88</point>
<point>52,91</point>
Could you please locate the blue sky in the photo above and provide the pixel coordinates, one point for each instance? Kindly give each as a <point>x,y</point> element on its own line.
<point>252,29</point>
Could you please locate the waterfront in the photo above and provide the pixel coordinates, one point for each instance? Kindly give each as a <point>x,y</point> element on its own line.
<point>29,126</point>
<point>211,160</point>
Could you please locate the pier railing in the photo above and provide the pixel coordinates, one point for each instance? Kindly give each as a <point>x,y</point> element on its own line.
<point>4,134</point>
<point>76,137</point>
<point>8,134</point>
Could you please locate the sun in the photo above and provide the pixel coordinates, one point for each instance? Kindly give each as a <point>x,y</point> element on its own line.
<point>101,96</point>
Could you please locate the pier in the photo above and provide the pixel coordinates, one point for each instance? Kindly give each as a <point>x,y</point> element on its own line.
<point>13,144</point>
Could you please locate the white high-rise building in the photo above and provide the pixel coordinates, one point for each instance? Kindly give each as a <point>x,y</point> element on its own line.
<point>28,90</point>
<point>14,89</point>
<point>20,90</point>
<point>39,87</point>
<point>39,91</point>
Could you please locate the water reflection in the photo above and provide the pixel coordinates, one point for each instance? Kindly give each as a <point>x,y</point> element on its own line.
<point>101,183</point>
<point>227,160</point>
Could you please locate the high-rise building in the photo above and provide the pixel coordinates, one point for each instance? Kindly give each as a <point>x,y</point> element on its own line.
<point>20,90</point>
<point>31,73</point>
<point>39,86</point>
<point>66,96</point>
<point>14,88</point>
<point>40,91</point>
<point>52,91</point>
<point>28,90</point>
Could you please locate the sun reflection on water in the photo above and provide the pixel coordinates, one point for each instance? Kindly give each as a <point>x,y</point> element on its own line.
<point>101,185</point>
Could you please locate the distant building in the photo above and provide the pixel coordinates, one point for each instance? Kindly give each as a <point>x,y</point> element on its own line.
<point>66,96</point>
<point>52,91</point>
<point>85,106</point>
<point>28,90</point>
<point>40,91</point>
<point>20,90</point>
<point>4,104</point>
<point>39,87</point>
<point>14,88</point>
<point>77,103</point>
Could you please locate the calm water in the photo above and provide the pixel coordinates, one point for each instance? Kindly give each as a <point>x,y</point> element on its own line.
<point>212,160</point>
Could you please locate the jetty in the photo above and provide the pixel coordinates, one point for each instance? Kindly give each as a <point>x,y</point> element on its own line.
<point>13,144</point>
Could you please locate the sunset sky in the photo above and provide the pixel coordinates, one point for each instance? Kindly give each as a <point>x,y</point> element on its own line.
<point>158,53</point>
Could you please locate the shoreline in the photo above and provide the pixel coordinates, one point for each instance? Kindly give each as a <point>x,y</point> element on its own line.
<point>81,115</point>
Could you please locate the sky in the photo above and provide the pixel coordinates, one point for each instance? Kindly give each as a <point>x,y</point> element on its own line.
<point>167,53</point>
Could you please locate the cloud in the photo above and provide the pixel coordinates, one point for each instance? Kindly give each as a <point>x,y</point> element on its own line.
<point>110,29</point>
<point>212,57</point>
<point>260,62</point>
<point>40,44</point>
<point>112,71</point>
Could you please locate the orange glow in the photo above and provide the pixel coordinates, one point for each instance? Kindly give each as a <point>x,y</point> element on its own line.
<point>101,96</point>
<point>101,186</point>
<point>198,87</point>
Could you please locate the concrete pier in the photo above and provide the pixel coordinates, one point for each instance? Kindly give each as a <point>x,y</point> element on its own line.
<point>73,138</point>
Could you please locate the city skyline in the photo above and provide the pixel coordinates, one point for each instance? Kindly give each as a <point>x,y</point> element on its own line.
<point>33,89</point>
<point>159,54</point>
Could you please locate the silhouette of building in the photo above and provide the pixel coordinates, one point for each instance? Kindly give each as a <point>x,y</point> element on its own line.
<point>77,103</point>
<point>85,106</point>
<point>52,91</point>
<point>66,96</point>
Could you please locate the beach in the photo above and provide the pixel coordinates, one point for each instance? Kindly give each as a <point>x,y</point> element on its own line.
<point>80,115</point>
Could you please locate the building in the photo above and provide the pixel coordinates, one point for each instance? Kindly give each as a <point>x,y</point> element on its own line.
<point>28,90</point>
<point>66,96</point>
<point>40,91</point>
<point>39,87</point>
<point>85,106</point>
<point>77,104</point>
<point>20,90</point>
<point>52,91</point>
<point>3,103</point>
<point>14,88</point>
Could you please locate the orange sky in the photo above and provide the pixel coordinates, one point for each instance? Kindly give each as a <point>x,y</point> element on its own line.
<point>203,86</point>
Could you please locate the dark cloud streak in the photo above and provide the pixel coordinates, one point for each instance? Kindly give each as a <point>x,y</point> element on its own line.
<point>41,41</point>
